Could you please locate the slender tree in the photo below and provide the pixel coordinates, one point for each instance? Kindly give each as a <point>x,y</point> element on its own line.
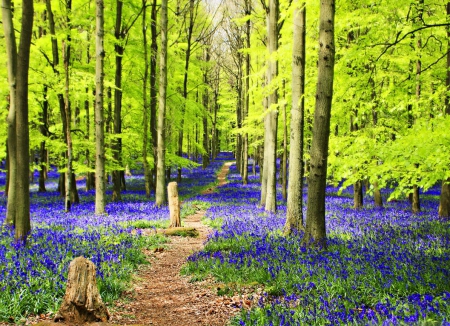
<point>160,168</point>
<point>100,183</point>
<point>11,52</point>
<point>246,107</point>
<point>147,171</point>
<point>22,210</point>
<point>444,199</point>
<point>294,211</point>
<point>315,218</point>
<point>271,119</point>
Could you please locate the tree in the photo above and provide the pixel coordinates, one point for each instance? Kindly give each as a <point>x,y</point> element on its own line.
<point>11,51</point>
<point>444,199</point>
<point>21,197</point>
<point>160,168</point>
<point>100,183</point>
<point>271,118</point>
<point>294,211</point>
<point>315,219</point>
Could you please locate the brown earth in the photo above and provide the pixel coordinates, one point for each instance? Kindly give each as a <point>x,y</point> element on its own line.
<point>161,296</point>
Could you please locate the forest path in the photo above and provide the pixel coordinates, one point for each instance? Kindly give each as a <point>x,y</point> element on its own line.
<point>161,296</point>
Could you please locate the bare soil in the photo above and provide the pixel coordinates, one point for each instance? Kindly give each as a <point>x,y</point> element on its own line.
<point>161,296</point>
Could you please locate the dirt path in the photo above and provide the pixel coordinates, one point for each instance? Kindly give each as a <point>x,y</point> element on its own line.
<point>161,296</point>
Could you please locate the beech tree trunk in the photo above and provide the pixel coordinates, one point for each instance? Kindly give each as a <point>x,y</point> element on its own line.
<point>444,199</point>
<point>294,211</point>
<point>82,302</point>
<point>377,195</point>
<point>11,52</point>
<point>174,204</point>
<point>358,194</point>
<point>100,182</point>
<point>315,219</point>
<point>271,121</point>
<point>153,90</point>
<point>22,209</point>
<point>160,196</point>
<point>117,143</point>
<point>248,11</point>
<point>145,124</point>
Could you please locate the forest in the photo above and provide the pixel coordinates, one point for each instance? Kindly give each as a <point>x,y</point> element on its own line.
<point>333,118</point>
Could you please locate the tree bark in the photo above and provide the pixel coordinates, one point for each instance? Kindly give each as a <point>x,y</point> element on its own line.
<point>271,122</point>
<point>248,11</point>
<point>160,196</point>
<point>22,221</point>
<point>82,301</point>
<point>147,171</point>
<point>117,143</point>
<point>444,199</point>
<point>174,205</point>
<point>11,52</point>
<point>100,183</point>
<point>294,211</point>
<point>315,219</point>
<point>153,89</point>
<point>205,157</point>
<point>358,195</point>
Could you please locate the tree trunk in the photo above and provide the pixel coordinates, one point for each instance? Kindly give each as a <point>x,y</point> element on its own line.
<point>43,151</point>
<point>153,89</point>
<point>358,195</point>
<point>100,183</point>
<point>190,30</point>
<point>294,211</point>
<point>315,218</point>
<point>117,143</point>
<point>82,302</point>
<point>160,196</point>
<point>415,200</point>
<point>174,204</point>
<point>271,123</point>
<point>245,152</point>
<point>68,114</point>
<point>285,152</point>
<point>444,199</point>
<point>147,171</point>
<point>22,220</point>
<point>11,52</point>
<point>205,158</point>
<point>377,195</point>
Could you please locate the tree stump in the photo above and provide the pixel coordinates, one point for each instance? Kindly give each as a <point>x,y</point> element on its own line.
<point>174,204</point>
<point>82,302</point>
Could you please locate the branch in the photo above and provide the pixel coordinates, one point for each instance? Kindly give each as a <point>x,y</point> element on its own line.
<point>398,39</point>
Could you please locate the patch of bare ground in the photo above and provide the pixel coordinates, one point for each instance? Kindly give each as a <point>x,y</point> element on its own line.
<point>161,296</point>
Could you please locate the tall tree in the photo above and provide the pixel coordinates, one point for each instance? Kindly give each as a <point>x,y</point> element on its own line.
<point>119,47</point>
<point>147,171</point>
<point>444,199</point>
<point>246,106</point>
<point>294,211</point>
<point>20,195</point>
<point>100,183</point>
<point>315,217</point>
<point>271,118</point>
<point>160,168</point>
<point>11,52</point>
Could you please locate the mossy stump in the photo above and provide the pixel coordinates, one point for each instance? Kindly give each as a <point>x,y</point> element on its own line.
<point>82,302</point>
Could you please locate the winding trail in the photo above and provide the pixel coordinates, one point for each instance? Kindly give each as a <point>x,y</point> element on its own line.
<point>161,296</point>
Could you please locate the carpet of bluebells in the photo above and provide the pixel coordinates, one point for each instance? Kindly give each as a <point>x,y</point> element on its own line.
<point>33,276</point>
<point>382,266</point>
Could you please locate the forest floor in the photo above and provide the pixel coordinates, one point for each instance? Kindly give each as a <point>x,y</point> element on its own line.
<point>161,296</point>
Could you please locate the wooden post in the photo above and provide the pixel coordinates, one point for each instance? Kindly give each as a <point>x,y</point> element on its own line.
<point>174,204</point>
<point>82,302</point>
